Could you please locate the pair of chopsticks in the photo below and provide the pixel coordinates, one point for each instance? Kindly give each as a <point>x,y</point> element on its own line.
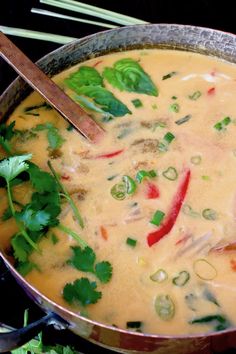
<point>78,7</point>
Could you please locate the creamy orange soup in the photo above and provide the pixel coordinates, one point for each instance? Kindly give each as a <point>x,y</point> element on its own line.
<point>154,202</point>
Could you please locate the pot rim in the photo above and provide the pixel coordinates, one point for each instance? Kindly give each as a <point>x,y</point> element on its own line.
<point>35,291</point>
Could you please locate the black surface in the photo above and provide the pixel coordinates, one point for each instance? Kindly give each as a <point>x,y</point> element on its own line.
<point>16,13</point>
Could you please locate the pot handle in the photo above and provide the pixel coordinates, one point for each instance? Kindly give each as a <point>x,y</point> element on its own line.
<point>17,338</point>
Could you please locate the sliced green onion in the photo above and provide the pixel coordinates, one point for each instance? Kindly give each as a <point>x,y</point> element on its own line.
<point>196,160</point>
<point>167,139</point>
<point>183,120</point>
<point>170,173</point>
<point>157,218</point>
<point>204,270</point>
<point>174,97</point>
<point>154,106</point>
<point>221,125</point>
<point>137,103</point>
<point>134,324</point>
<point>174,107</point>
<point>159,276</point>
<point>131,242</point>
<point>181,279</point>
<point>118,191</point>
<point>165,307</point>
<point>54,239</point>
<point>210,214</point>
<point>195,95</point>
<point>187,210</point>
<point>130,185</point>
<point>143,174</point>
<point>168,76</point>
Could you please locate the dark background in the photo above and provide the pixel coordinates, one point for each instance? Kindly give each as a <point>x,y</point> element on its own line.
<point>16,13</point>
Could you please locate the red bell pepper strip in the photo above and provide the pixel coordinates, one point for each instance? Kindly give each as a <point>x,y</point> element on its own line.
<point>211,91</point>
<point>110,155</point>
<point>152,192</point>
<point>171,217</point>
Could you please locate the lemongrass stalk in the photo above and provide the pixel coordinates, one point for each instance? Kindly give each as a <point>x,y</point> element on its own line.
<point>20,32</point>
<point>93,11</point>
<point>65,17</point>
<point>96,9</point>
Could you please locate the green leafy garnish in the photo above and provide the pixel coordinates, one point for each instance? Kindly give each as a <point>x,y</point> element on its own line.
<point>44,105</point>
<point>6,134</point>
<point>88,82</point>
<point>13,166</point>
<point>85,76</point>
<point>128,75</point>
<point>55,139</point>
<point>82,291</point>
<point>84,260</point>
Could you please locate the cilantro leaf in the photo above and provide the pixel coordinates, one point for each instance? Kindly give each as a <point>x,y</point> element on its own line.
<point>25,267</point>
<point>42,181</point>
<point>49,202</point>
<point>21,248</point>
<point>12,166</point>
<point>83,259</point>
<point>103,271</point>
<point>34,220</point>
<point>7,214</point>
<point>128,75</point>
<point>105,99</point>
<point>82,291</point>
<point>85,76</point>
<point>6,134</point>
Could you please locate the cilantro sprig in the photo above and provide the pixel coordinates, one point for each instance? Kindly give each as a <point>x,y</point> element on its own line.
<point>66,195</point>
<point>84,260</point>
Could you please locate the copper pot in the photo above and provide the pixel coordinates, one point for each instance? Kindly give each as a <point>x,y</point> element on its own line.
<point>169,36</point>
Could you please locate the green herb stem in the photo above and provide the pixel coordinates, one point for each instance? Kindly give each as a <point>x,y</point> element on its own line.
<point>67,196</point>
<point>73,234</point>
<point>22,230</point>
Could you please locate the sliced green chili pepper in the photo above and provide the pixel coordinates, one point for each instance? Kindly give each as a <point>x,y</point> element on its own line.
<point>204,270</point>
<point>142,174</point>
<point>170,173</point>
<point>195,95</point>
<point>210,214</point>
<point>165,307</point>
<point>118,191</point>
<point>187,210</point>
<point>181,279</point>
<point>130,185</point>
<point>196,160</point>
<point>159,276</point>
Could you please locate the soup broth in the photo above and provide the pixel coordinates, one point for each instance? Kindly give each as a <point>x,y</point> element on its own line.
<point>154,202</point>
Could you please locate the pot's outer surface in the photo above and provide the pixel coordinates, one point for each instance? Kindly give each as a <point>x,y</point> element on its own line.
<point>202,40</point>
